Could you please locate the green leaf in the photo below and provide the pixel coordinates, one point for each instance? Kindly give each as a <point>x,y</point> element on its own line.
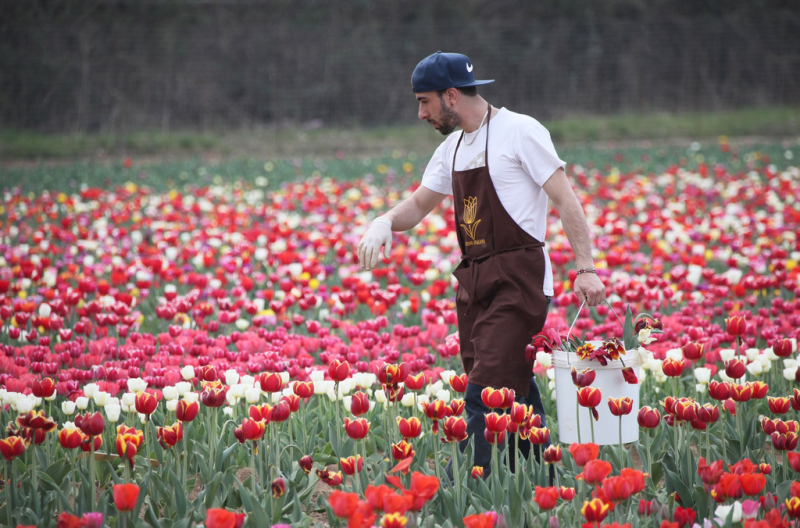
<point>628,337</point>
<point>256,514</point>
<point>181,504</point>
<point>211,491</point>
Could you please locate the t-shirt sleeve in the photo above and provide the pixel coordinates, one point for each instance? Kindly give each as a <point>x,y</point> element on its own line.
<point>536,152</point>
<point>437,176</point>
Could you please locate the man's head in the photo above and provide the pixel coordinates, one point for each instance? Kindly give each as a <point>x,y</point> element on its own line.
<point>440,81</point>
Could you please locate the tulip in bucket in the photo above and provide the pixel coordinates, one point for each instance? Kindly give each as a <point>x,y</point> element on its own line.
<point>606,359</point>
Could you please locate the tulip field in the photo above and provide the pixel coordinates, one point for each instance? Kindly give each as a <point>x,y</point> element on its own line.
<point>208,352</point>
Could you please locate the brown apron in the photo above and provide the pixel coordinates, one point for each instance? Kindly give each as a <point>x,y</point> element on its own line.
<point>500,301</point>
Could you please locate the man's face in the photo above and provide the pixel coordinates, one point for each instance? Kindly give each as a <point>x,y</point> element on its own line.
<point>436,109</point>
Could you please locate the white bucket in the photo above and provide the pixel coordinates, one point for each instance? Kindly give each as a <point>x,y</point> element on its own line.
<point>611,384</point>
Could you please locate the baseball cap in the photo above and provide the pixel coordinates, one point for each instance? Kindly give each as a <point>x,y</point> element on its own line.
<point>441,71</point>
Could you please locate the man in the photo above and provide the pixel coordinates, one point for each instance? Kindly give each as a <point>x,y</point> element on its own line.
<point>500,183</point>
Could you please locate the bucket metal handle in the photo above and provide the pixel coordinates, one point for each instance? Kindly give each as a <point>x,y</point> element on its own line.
<point>583,303</point>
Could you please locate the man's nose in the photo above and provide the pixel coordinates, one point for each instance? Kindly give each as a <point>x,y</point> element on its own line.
<point>422,113</point>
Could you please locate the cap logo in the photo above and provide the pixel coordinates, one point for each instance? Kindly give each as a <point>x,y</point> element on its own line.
<point>469,67</point>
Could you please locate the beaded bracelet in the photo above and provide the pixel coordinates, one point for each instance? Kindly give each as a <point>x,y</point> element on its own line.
<point>587,271</point>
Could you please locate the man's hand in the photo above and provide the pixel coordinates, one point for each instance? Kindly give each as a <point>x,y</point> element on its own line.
<point>369,248</point>
<point>589,287</point>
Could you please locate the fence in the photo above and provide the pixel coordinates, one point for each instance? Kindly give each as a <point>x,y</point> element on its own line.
<point>124,66</point>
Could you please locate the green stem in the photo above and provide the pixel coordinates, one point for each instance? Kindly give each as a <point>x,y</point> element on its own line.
<point>578,419</point>
<point>9,495</point>
<point>184,470</point>
<point>456,477</point>
<point>708,442</point>
<point>91,474</point>
<point>722,436</point>
<point>364,458</point>
<point>739,428</point>
<point>34,473</point>
<point>621,449</point>
<point>436,456</point>
<point>591,423</point>
<point>253,452</point>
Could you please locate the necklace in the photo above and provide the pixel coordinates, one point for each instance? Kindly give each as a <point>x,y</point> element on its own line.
<point>476,130</point>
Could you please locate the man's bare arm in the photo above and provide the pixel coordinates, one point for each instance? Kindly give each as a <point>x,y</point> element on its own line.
<point>413,209</point>
<point>587,286</point>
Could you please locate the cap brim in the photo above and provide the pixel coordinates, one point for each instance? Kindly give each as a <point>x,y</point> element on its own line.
<point>474,83</point>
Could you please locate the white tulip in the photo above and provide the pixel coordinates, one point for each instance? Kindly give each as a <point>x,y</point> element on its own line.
<point>789,373</point>
<point>112,412</point>
<point>182,387</point>
<point>82,402</point>
<point>285,377</point>
<point>380,396</point>
<point>722,512</point>
<point>724,377</point>
<point>433,388</point>
<point>275,397</point>
<point>142,418</point>
<point>227,411</point>
<point>364,380</point>
<point>25,405</point>
<point>101,399</point>
<point>129,399</point>
<point>421,400</point>
<point>191,397</point>
<point>443,395</point>
<point>752,354</point>
<point>702,375</point>
<point>68,407</point>
<point>252,395</point>
<point>187,372</point>
<point>316,375</point>
<point>136,385</point>
<point>247,380</point>
<point>408,400</point>
<point>170,393</point>
<point>755,368</point>
<point>323,386</point>
<point>231,377</point>
<point>726,354</point>
<point>700,387</point>
<point>242,324</point>
<point>172,405</point>
<point>789,362</point>
<point>551,374</point>
<point>544,359</point>
<point>90,389</point>
<point>675,353</point>
<point>446,375</point>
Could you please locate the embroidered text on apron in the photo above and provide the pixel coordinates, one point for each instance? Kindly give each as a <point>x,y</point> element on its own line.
<point>500,301</point>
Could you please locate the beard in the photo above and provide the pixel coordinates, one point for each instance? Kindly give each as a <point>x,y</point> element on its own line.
<point>449,120</point>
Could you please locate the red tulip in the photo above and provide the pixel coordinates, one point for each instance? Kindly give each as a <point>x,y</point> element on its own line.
<point>729,486</point>
<point>617,489</point>
<point>589,397</point>
<point>584,378</point>
<point>90,424</point>
<point>146,403</point>
<point>278,487</point>
<point>620,406</point>
<point>760,389</point>
<point>784,442</point>
<point>595,510</point>
<point>304,389</point>
<point>794,462</point>
<point>213,394</point>
<point>546,498</point>
<point>343,504</point>
<point>125,496</point>
<point>686,409</point>
<point>635,477</point>
<point>736,326</point>
<point>185,411</point>
<point>709,474</point>
<point>359,404</point>
<point>708,413</point>
<point>252,429</point>
<point>270,382</point>
<point>793,507</point>
<point>552,454</point>
<point>672,367</point>
<point>351,465</point>
<point>44,388</point>
<point>454,429</point>
<point>735,368</point>
<point>778,405</point>
<point>684,516</point>
<point>584,453</point>
<point>415,382</point>
<point>753,483</point>
<point>356,429</point>
<point>392,374</point>
<point>539,435</point>
<point>595,471</point>
<point>128,442</point>
<point>456,407</point>
<point>629,376</point>
<point>70,438</point>
<point>567,494</point>
<point>306,463</point>
<point>409,427</point>
<point>402,450</point>
<point>36,420</point>
<point>782,347</point>
<point>12,447</point>
<point>339,370</point>
<point>497,399</point>
<point>693,351</point>
<point>496,423</point>
<point>222,518</point>
<point>494,438</point>
<point>741,393</point>
<point>519,413</point>
<point>719,391</point>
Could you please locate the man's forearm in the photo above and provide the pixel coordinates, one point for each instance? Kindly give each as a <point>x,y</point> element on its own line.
<point>412,210</point>
<point>577,231</point>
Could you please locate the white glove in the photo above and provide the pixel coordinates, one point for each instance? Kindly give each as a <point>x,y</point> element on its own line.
<point>369,248</point>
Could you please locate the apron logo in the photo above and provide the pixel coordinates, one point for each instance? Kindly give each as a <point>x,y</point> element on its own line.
<point>470,210</point>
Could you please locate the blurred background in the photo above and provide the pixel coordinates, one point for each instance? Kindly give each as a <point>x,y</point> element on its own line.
<point>187,71</point>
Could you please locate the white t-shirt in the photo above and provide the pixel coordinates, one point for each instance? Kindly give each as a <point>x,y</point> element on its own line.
<point>521,159</point>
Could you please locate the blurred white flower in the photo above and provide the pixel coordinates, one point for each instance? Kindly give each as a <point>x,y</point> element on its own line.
<point>187,372</point>
<point>408,400</point>
<point>755,368</point>
<point>675,353</point>
<point>446,375</point>
<point>644,336</point>
<point>170,393</point>
<point>90,389</point>
<point>752,354</point>
<point>129,399</point>
<point>443,395</point>
<point>242,324</point>
<point>380,396</point>
<point>101,399</point>
<point>112,412</point>
<point>316,375</point>
<point>252,395</point>
<point>68,407</point>
<point>25,405</point>
<point>789,373</point>
<point>191,397</point>
<point>544,359</point>
<point>182,387</point>
<point>231,377</point>
<point>136,385</point>
<point>726,354</point>
<point>702,375</point>
<point>82,402</point>
<point>172,405</point>
<point>722,512</point>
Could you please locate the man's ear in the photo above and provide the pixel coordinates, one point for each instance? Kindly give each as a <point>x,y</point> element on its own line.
<point>451,94</point>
